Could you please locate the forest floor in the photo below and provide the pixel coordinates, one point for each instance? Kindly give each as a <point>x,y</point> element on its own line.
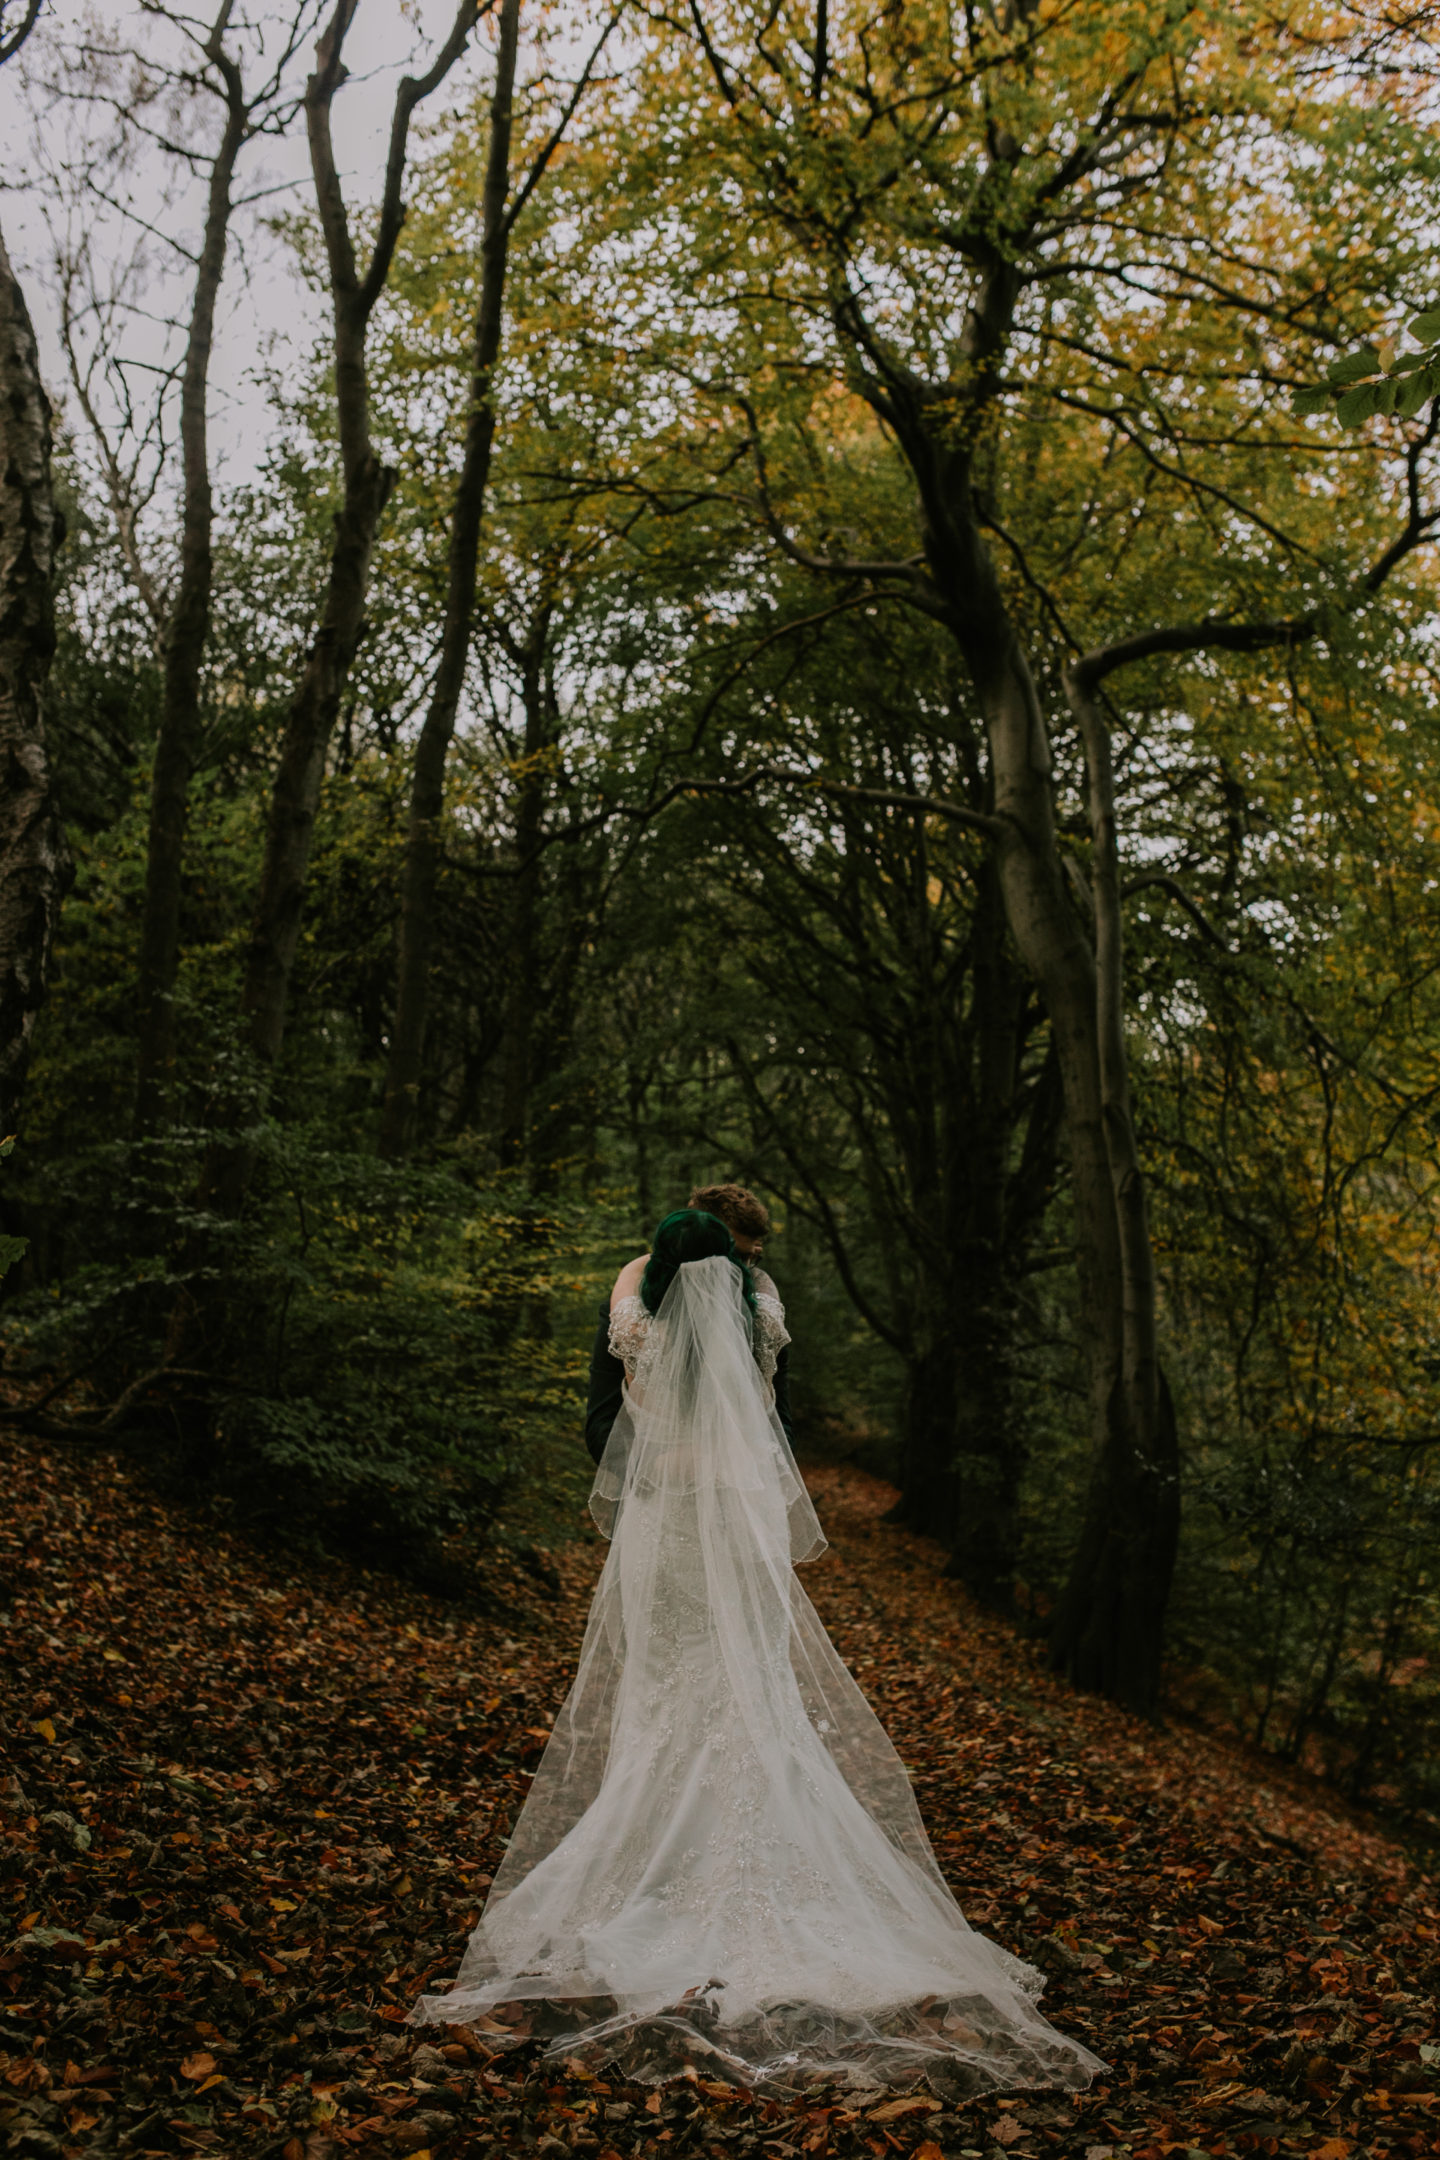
<point>251,1805</point>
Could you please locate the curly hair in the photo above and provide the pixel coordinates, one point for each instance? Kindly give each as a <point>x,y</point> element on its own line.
<point>736,1206</point>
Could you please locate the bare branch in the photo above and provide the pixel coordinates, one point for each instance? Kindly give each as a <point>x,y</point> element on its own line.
<point>691,784</point>
<point>10,45</point>
<point>413,91</point>
<point>1161,881</point>
<point>552,142</point>
<point>1216,633</point>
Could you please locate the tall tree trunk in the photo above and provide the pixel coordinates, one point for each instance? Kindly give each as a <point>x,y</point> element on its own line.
<point>961,1459</point>
<point>1113,1605</point>
<point>964,1453</point>
<point>366,482</point>
<point>187,632</point>
<point>517,1070</point>
<point>35,866</point>
<point>989,1445</point>
<point>1132,1426</point>
<point>427,793</point>
<point>1115,1610</point>
<point>1120,1658</point>
<point>310,721</point>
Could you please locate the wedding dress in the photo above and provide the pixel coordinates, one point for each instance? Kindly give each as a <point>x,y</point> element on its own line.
<point>720,1862</point>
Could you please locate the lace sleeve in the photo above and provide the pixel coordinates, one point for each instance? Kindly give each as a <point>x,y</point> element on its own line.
<point>771,1333</point>
<point>629,1326</point>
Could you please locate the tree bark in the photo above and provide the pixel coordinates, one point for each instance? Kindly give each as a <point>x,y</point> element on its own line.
<point>1113,1605</point>
<point>427,793</point>
<point>35,865</point>
<point>1116,1300</point>
<point>188,629</point>
<point>964,1454</point>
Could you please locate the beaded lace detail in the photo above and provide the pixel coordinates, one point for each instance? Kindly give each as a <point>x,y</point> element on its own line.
<point>630,1326</point>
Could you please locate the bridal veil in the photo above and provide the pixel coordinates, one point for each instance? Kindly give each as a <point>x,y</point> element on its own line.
<point>720,1861</point>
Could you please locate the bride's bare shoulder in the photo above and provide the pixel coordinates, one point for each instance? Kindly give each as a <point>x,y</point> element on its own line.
<point>627,1282</point>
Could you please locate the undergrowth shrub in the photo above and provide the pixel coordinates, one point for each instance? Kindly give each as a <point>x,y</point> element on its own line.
<point>365,1358</point>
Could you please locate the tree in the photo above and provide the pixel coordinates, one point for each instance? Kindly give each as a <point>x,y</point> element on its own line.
<point>934,231</point>
<point>840,988</point>
<point>501,209</point>
<point>366,482</point>
<point>187,628</point>
<point>35,867</point>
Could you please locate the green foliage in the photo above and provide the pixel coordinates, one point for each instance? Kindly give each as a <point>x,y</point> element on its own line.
<point>1377,380</point>
<point>368,1358</point>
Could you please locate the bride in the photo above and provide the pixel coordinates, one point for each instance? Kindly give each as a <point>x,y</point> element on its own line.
<point>720,1862</point>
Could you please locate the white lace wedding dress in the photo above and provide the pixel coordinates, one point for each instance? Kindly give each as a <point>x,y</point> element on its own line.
<point>721,1862</point>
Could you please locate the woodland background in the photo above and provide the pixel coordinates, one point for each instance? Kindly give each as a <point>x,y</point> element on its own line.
<point>807,616</point>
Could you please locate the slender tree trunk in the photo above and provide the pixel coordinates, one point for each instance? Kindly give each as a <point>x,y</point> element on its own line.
<point>928,1476</point>
<point>35,866</point>
<point>427,795</point>
<point>295,798</point>
<point>310,722</point>
<point>961,1462</point>
<point>526,961</point>
<point>1118,1658</point>
<point>989,1444</point>
<point>964,1452</point>
<point>187,632</point>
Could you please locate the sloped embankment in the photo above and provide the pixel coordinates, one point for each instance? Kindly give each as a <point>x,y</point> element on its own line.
<point>249,1807</point>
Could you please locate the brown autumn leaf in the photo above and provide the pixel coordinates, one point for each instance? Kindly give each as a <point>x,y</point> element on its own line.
<point>893,2110</point>
<point>198,2066</point>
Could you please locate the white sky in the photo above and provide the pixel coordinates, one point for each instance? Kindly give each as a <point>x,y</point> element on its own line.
<point>270,306</point>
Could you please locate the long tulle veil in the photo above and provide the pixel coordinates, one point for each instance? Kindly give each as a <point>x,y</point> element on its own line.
<point>721,1858</point>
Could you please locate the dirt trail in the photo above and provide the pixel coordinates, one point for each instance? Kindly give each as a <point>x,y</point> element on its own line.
<point>249,1806</point>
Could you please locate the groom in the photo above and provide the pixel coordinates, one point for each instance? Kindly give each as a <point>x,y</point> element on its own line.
<point>746,1219</point>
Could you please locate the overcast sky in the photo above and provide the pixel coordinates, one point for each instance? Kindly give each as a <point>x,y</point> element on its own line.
<point>270,303</point>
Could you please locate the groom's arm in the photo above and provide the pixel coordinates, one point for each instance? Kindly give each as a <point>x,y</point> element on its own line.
<point>607,1383</point>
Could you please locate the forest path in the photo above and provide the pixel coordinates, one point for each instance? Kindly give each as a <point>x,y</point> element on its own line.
<point>249,1803</point>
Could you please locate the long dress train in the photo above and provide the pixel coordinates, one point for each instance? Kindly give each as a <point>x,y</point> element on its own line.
<point>720,1862</point>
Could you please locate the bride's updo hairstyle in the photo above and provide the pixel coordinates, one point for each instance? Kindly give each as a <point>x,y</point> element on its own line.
<point>689,1234</point>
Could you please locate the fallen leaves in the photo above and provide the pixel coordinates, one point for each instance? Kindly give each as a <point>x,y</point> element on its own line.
<point>294,1807</point>
<point>896,2110</point>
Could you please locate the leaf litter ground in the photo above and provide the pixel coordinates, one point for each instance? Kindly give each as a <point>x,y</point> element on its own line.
<point>251,1806</point>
